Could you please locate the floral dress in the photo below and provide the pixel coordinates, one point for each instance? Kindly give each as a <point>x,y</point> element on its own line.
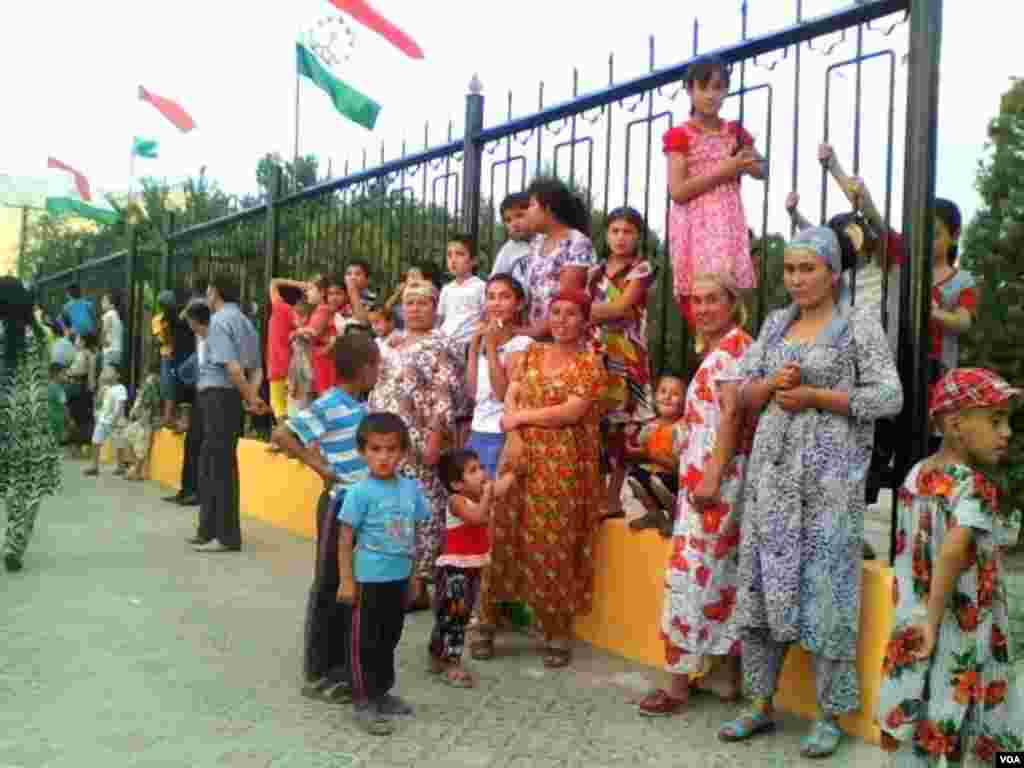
<point>144,418</point>
<point>552,567</point>
<point>964,701</point>
<point>709,233</point>
<point>417,382</point>
<point>801,540</point>
<point>543,272</point>
<point>624,345</point>
<point>700,580</point>
<point>30,465</point>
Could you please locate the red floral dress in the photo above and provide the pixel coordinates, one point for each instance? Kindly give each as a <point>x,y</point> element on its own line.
<point>563,496</point>
<point>700,579</point>
<point>709,233</point>
<point>963,704</point>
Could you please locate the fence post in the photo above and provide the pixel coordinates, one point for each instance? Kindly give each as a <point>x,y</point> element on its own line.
<point>130,307</point>
<point>472,159</point>
<point>164,280</point>
<point>272,235</point>
<point>918,220</point>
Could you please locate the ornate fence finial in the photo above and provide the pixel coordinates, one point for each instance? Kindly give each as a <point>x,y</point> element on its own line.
<point>475,86</point>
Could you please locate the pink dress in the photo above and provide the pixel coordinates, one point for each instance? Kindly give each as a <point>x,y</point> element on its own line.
<point>709,232</point>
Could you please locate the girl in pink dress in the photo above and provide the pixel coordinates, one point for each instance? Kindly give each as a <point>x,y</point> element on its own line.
<point>706,158</point>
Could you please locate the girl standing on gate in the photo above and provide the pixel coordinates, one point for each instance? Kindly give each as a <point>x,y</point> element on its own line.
<point>707,156</point>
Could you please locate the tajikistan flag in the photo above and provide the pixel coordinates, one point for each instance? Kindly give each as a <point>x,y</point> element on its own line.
<point>68,193</point>
<point>327,55</point>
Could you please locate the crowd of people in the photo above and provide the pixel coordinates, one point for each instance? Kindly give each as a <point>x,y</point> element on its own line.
<point>473,436</point>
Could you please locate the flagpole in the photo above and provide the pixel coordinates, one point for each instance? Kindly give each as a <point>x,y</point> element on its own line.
<point>296,157</point>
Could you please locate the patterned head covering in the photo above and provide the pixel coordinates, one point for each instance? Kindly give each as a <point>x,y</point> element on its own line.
<point>580,298</point>
<point>824,243</point>
<point>420,288</point>
<point>969,388</point>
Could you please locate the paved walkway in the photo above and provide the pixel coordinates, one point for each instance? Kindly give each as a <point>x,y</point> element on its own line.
<point>119,646</point>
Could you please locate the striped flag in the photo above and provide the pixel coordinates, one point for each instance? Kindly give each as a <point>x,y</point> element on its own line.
<point>170,109</point>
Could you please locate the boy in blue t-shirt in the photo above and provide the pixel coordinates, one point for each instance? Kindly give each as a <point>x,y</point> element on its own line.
<point>323,437</point>
<point>380,515</point>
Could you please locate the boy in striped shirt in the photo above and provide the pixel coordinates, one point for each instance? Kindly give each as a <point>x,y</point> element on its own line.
<point>323,437</point>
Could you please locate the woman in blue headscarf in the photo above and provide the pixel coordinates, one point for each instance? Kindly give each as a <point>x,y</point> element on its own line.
<point>819,375</point>
<point>29,455</point>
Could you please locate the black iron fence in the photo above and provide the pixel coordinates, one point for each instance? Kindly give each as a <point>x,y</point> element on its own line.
<point>831,77</point>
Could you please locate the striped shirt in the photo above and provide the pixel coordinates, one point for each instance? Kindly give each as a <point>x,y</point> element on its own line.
<point>332,421</point>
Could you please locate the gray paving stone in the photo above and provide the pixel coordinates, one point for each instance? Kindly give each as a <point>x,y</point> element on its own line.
<point>122,647</point>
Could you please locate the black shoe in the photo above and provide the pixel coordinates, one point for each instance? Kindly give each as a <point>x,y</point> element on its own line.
<point>12,563</point>
<point>175,499</point>
<point>190,501</point>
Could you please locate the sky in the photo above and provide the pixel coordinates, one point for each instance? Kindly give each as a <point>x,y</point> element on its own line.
<point>72,71</point>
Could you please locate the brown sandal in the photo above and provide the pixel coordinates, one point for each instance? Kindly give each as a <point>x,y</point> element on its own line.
<point>482,649</point>
<point>660,703</point>
<point>457,677</point>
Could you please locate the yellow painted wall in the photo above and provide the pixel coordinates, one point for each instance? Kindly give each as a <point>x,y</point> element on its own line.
<point>628,584</point>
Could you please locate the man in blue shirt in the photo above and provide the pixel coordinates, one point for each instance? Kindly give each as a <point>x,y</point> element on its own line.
<point>230,373</point>
<point>323,437</point>
<point>80,313</point>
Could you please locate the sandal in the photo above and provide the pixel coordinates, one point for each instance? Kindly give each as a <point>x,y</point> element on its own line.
<point>746,726</point>
<point>482,649</point>
<point>822,741</point>
<point>457,677</point>
<point>556,658</point>
<point>660,703</point>
<point>91,472</point>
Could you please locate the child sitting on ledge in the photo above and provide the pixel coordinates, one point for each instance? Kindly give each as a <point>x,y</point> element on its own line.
<point>655,479</point>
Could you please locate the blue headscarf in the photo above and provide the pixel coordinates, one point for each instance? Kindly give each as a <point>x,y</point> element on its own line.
<point>822,241</point>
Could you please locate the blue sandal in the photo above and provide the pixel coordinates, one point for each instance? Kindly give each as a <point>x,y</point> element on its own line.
<point>746,726</point>
<point>822,741</point>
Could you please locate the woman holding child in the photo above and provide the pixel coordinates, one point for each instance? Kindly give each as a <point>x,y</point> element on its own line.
<point>698,621</point>
<point>417,382</point>
<point>552,415</point>
<point>819,375</point>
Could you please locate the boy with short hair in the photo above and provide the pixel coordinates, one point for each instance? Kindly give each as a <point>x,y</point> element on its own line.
<point>461,305</point>
<point>360,296</point>
<point>379,514</point>
<point>511,259</point>
<point>323,437</point>
<point>383,324</point>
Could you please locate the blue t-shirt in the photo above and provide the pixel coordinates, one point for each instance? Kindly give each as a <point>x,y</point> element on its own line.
<point>383,514</point>
<point>333,420</point>
<point>82,315</point>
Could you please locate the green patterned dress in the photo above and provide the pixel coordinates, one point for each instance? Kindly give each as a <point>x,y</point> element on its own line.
<point>30,466</point>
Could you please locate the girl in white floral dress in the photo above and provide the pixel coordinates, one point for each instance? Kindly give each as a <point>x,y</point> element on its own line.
<point>948,693</point>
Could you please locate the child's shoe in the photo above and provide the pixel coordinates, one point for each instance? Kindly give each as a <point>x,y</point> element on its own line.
<point>369,719</point>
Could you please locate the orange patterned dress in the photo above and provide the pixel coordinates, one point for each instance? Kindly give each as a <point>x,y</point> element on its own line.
<point>563,494</point>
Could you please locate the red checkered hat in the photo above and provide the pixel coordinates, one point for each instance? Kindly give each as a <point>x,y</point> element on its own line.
<point>969,388</point>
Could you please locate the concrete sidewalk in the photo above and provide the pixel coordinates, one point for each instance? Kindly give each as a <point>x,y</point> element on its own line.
<point>122,647</point>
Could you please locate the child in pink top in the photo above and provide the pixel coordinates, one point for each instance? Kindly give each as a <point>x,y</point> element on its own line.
<point>706,158</point>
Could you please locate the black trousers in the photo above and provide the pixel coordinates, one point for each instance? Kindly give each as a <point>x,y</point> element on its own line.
<point>377,622</point>
<point>218,466</point>
<point>193,446</point>
<point>326,651</point>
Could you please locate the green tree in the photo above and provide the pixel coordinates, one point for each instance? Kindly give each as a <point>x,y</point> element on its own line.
<point>993,249</point>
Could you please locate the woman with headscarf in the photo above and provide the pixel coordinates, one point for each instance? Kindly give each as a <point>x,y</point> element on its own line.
<point>418,381</point>
<point>819,375</point>
<point>29,454</point>
<point>698,621</point>
<point>553,410</point>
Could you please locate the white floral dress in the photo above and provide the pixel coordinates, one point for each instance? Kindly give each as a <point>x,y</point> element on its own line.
<point>700,580</point>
